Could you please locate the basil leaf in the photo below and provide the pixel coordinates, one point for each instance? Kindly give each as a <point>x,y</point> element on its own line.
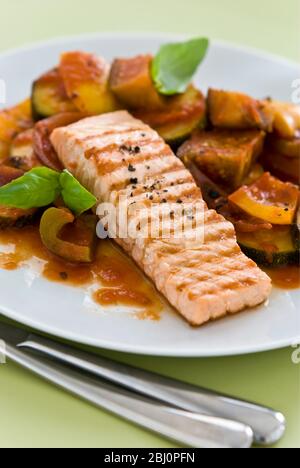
<point>75,196</point>
<point>42,186</point>
<point>38,187</point>
<point>175,65</point>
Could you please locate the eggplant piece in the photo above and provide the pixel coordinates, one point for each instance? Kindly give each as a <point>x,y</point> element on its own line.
<point>233,110</point>
<point>270,248</point>
<point>15,217</point>
<point>286,147</point>
<point>212,194</point>
<point>180,116</point>
<point>225,156</point>
<point>82,250</point>
<point>41,137</point>
<point>13,121</point>
<point>8,174</point>
<point>49,96</point>
<point>4,150</point>
<point>130,80</point>
<point>283,167</point>
<point>217,199</point>
<point>22,155</point>
<point>85,77</point>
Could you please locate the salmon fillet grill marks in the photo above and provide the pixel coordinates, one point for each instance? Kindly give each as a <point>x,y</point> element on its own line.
<point>115,155</point>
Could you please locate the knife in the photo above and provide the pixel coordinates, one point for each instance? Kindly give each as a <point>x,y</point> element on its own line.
<point>187,428</point>
<point>268,425</point>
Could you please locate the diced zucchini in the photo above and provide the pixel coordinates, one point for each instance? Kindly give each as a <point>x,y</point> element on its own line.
<point>181,115</point>
<point>177,132</point>
<point>270,199</point>
<point>223,155</point>
<point>49,96</point>
<point>85,77</point>
<point>233,110</point>
<point>22,154</point>
<point>130,80</point>
<point>13,121</point>
<point>270,247</point>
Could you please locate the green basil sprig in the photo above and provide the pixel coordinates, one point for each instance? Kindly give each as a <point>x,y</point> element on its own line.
<point>175,65</point>
<point>42,186</point>
<point>75,196</point>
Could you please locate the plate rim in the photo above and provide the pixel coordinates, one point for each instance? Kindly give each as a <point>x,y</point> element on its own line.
<point>262,53</point>
<point>151,351</point>
<point>136,349</point>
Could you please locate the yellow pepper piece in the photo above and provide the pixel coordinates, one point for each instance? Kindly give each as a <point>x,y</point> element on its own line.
<point>269,199</point>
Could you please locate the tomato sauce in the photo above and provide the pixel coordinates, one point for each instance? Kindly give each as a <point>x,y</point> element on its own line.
<point>286,277</point>
<point>118,281</point>
<point>116,278</point>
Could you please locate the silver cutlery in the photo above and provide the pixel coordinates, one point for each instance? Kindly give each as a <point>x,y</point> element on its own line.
<point>186,428</point>
<point>268,425</point>
<point>151,390</point>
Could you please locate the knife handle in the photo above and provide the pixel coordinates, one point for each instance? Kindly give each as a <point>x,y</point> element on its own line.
<point>189,429</point>
<point>268,425</point>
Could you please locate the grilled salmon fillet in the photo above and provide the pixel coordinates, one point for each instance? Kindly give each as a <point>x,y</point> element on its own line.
<point>116,156</point>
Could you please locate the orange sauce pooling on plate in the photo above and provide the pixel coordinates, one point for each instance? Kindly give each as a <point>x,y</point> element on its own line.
<point>118,280</point>
<point>286,277</point>
<point>123,283</point>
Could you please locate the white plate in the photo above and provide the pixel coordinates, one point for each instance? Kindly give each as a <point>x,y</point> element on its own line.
<point>67,312</point>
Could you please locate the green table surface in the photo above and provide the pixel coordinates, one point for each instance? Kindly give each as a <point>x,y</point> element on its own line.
<point>35,414</point>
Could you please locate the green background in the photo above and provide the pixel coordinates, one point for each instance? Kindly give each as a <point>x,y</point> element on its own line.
<point>35,414</point>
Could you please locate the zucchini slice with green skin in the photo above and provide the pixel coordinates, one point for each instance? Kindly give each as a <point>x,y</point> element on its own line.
<point>177,132</point>
<point>181,115</point>
<point>272,248</point>
<point>49,96</point>
<point>85,77</point>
